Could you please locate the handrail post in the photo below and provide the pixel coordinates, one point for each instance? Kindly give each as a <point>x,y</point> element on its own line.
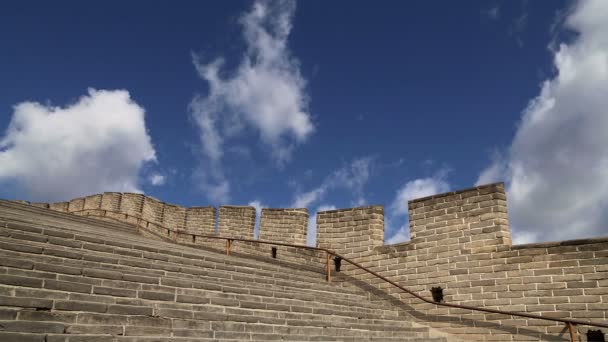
<point>328,267</point>
<point>227,246</point>
<point>571,329</point>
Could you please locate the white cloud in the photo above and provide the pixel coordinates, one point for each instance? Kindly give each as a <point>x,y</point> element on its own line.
<point>352,176</point>
<point>418,188</point>
<point>257,204</point>
<point>304,200</point>
<point>400,236</point>
<point>493,12</point>
<point>157,179</point>
<point>397,215</point>
<point>265,93</point>
<point>556,168</point>
<point>311,233</point>
<point>96,144</point>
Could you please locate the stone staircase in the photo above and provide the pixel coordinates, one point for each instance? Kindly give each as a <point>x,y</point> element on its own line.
<point>68,278</point>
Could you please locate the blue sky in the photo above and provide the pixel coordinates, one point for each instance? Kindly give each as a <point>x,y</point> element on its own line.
<point>315,104</point>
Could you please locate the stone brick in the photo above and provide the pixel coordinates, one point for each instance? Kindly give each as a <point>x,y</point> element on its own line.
<point>67,286</point>
<point>26,302</point>
<point>80,306</point>
<point>20,281</point>
<point>129,310</point>
<point>33,327</point>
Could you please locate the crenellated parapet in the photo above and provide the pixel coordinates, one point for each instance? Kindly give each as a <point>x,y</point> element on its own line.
<point>459,241</point>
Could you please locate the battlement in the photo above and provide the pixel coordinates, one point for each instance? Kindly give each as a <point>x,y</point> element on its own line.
<point>459,241</point>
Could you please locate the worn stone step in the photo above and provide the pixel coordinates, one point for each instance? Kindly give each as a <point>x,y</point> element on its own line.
<point>117,262</point>
<point>99,279</point>
<point>177,288</point>
<point>138,237</point>
<point>183,270</point>
<point>122,249</point>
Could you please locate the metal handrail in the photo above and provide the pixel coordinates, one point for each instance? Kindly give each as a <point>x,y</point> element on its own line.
<point>569,322</point>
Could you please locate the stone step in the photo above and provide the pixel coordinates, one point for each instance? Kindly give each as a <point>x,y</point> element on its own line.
<point>158,258</point>
<point>76,280</point>
<point>67,218</point>
<point>135,274</point>
<point>157,293</point>
<point>192,255</point>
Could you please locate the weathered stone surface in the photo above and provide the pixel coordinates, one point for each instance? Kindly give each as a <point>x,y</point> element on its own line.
<point>284,225</point>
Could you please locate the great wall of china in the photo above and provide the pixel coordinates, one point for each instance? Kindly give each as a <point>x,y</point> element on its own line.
<point>459,241</point>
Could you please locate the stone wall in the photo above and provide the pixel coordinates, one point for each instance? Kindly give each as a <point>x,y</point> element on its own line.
<point>92,202</point>
<point>132,204</point>
<point>351,232</point>
<point>284,225</point>
<point>236,221</point>
<point>77,204</point>
<point>174,217</point>
<point>201,220</point>
<point>152,210</point>
<point>59,206</point>
<point>460,241</point>
<point>111,201</point>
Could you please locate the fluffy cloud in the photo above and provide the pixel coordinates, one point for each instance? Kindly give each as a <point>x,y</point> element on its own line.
<point>97,144</point>
<point>257,204</point>
<point>556,167</point>
<point>352,176</point>
<point>157,179</point>
<point>266,93</point>
<point>397,211</point>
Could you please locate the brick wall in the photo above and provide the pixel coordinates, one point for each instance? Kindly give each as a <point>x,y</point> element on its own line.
<point>174,216</point>
<point>152,210</point>
<point>111,201</point>
<point>471,218</point>
<point>459,240</point>
<point>40,205</point>
<point>76,204</point>
<point>236,221</point>
<point>132,204</point>
<point>351,232</point>
<point>92,202</point>
<point>284,225</point>
<point>201,220</point>
<point>59,206</point>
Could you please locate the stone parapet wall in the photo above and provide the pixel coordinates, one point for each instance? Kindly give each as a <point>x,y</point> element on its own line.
<point>92,202</point>
<point>174,216</point>
<point>59,206</point>
<point>236,221</point>
<point>132,204</point>
<point>460,241</point>
<point>152,210</point>
<point>284,225</point>
<point>111,201</point>
<point>351,232</point>
<point>76,204</point>
<point>201,220</point>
